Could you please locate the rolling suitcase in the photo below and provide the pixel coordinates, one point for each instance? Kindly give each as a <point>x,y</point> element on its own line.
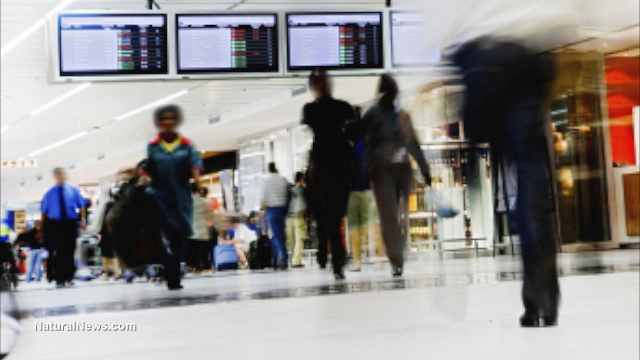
<point>260,254</point>
<point>225,257</point>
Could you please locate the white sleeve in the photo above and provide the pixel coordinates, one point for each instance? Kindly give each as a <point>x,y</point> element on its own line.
<point>245,234</point>
<point>97,219</point>
<point>250,235</point>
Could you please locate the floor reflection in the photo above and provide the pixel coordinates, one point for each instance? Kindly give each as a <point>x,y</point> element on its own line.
<point>417,282</point>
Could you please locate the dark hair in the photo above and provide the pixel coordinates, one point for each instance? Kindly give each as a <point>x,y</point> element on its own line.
<point>236,218</point>
<point>272,167</point>
<point>204,191</point>
<point>299,176</point>
<point>58,170</point>
<point>317,76</point>
<point>175,109</point>
<point>389,90</point>
<point>142,165</point>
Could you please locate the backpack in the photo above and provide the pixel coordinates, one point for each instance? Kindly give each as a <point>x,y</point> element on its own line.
<point>385,137</point>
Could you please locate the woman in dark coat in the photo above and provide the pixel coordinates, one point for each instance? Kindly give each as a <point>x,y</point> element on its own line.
<point>390,140</point>
<point>329,166</point>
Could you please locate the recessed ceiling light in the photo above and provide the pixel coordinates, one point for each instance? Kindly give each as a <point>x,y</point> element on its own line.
<point>31,29</point>
<point>60,99</point>
<point>59,143</point>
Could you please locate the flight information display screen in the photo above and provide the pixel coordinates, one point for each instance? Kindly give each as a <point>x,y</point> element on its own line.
<point>407,33</point>
<point>335,40</point>
<point>110,44</point>
<point>227,43</point>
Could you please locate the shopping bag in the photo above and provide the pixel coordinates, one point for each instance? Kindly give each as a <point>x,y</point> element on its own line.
<point>439,202</point>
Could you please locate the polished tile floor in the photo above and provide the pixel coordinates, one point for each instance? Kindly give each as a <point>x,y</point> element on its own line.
<point>465,308</point>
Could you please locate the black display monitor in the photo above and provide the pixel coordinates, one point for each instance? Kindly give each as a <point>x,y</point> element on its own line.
<point>112,44</point>
<point>407,34</point>
<point>347,40</point>
<point>236,43</point>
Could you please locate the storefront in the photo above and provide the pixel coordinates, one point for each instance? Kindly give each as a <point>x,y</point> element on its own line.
<point>436,118</point>
<point>593,154</point>
<point>593,147</point>
<point>622,74</point>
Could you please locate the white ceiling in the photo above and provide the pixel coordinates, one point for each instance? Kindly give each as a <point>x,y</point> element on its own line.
<point>245,106</point>
<point>25,88</point>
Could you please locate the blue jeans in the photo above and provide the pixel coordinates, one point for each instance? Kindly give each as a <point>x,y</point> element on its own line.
<point>35,262</point>
<point>276,217</point>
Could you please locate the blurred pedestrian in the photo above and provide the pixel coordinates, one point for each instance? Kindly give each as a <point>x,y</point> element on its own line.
<point>34,240</point>
<point>199,246</point>
<point>63,211</point>
<point>99,228</point>
<point>506,91</point>
<point>503,52</point>
<point>361,208</point>
<point>274,200</point>
<point>172,161</point>
<point>390,140</point>
<point>243,236</point>
<point>296,221</point>
<point>330,163</point>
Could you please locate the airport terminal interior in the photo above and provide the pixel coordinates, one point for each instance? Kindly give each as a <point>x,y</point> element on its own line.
<point>367,179</point>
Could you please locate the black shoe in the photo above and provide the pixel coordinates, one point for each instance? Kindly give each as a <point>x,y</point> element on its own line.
<point>299,266</point>
<point>59,285</point>
<point>530,321</point>
<point>396,270</point>
<point>175,287</point>
<point>70,283</point>
<point>339,275</point>
<point>323,266</point>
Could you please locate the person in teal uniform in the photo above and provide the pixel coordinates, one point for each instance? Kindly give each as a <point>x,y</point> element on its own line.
<point>172,161</point>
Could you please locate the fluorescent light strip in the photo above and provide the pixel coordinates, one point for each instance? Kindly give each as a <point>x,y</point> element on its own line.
<point>59,143</point>
<point>31,29</point>
<point>153,104</point>
<point>60,99</point>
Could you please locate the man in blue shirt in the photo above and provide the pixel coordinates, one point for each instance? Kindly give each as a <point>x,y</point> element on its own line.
<point>63,210</point>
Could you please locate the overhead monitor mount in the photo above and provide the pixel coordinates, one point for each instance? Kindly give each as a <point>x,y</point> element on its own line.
<point>150,4</point>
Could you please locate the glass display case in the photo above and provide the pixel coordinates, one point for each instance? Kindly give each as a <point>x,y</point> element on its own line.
<point>472,228</point>
<point>436,119</point>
